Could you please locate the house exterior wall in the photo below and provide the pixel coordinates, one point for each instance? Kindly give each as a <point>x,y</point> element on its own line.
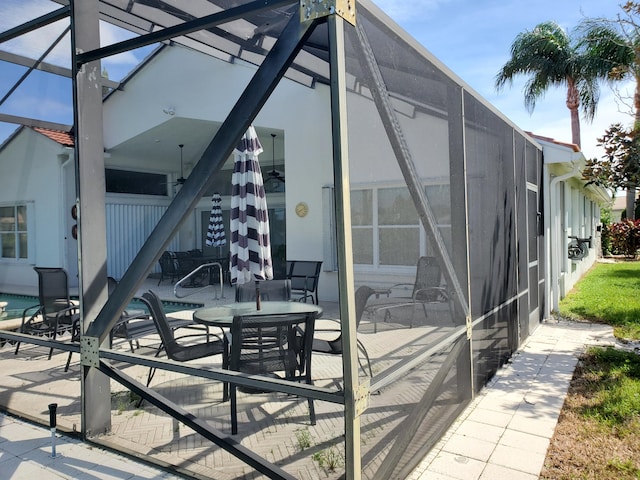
<point>207,90</point>
<point>571,209</point>
<point>32,173</point>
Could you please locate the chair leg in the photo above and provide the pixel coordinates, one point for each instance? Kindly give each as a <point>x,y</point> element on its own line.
<point>312,409</point>
<point>234,409</point>
<point>366,355</point>
<point>66,368</point>
<point>312,412</point>
<point>152,372</point>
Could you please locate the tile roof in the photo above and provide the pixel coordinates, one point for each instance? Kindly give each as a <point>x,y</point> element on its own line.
<point>63,138</point>
<point>572,146</point>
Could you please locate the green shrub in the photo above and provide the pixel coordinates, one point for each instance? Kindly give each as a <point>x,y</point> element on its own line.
<point>622,238</point>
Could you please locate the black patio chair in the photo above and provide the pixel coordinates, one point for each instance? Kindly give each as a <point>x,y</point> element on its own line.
<point>334,347</point>
<point>268,345</point>
<point>426,289</point>
<point>304,276</point>
<point>270,291</point>
<point>174,349</point>
<point>131,325</point>
<point>55,313</point>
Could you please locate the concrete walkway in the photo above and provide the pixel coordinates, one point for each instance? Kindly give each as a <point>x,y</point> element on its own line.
<point>503,434</point>
<point>25,453</point>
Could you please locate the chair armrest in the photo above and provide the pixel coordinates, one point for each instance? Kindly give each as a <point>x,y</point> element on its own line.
<point>404,286</point>
<point>31,312</point>
<point>67,314</point>
<point>431,290</point>
<point>325,329</point>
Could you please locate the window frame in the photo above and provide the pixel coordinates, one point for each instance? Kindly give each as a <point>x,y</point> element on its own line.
<point>29,232</point>
<point>376,228</point>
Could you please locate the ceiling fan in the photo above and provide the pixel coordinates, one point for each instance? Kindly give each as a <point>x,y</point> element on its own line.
<point>181,179</point>
<point>274,174</point>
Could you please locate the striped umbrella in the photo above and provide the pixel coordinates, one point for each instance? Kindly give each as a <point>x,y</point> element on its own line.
<point>215,233</point>
<point>250,244</point>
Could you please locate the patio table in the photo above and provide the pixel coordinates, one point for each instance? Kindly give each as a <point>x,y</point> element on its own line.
<point>222,315</point>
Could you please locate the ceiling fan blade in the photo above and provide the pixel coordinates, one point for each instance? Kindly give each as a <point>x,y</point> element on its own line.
<point>276,175</point>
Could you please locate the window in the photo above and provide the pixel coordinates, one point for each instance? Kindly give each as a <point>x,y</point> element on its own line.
<point>398,227</point>
<point>140,183</point>
<point>13,232</point>
<point>386,228</point>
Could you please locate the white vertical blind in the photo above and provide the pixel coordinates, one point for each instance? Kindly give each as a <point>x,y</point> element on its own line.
<point>128,226</point>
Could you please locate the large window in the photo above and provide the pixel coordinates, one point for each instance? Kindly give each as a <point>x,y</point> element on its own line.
<point>386,228</point>
<point>139,183</point>
<point>13,232</point>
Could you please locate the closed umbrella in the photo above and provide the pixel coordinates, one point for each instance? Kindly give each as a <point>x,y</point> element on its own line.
<point>215,233</point>
<point>250,245</point>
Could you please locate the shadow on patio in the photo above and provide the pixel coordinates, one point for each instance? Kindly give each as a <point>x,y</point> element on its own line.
<point>405,416</point>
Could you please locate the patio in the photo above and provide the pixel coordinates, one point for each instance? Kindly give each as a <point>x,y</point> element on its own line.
<point>274,425</point>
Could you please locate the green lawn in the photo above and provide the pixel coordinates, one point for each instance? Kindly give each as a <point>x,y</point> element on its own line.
<point>608,293</point>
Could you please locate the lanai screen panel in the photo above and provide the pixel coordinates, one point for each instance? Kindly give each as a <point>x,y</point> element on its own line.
<point>492,240</point>
<point>405,161</point>
<point>409,149</point>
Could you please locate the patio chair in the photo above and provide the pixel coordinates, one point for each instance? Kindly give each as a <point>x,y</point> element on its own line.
<point>304,276</point>
<point>131,325</point>
<point>426,289</point>
<point>176,265</point>
<point>334,347</point>
<point>169,342</point>
<point>267,345</point>
<point>270,291</point>
<point>55,313</point>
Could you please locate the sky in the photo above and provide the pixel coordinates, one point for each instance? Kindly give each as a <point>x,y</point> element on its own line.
<point>471,38</point>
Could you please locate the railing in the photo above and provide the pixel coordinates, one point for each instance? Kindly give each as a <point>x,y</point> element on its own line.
<point>194,274</point>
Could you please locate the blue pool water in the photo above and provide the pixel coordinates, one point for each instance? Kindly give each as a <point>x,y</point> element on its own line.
<point>16,304</point>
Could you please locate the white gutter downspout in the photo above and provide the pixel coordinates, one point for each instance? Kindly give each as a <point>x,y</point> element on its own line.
<point>558,250</point>
<point>65,158</point>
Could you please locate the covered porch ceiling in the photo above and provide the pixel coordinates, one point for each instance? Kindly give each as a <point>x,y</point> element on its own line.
<point>159,146</point>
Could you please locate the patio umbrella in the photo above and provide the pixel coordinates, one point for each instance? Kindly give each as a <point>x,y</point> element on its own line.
<point>250,243</point>
<point>215,233</point>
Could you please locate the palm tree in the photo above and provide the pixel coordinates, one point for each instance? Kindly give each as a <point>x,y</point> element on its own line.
<point>552,58</point>
<point>617,44</point>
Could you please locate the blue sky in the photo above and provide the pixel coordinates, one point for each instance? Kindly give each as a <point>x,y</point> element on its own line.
<point>471,38</point>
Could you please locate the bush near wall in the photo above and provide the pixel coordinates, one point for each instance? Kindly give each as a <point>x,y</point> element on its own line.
<point>622,238</point>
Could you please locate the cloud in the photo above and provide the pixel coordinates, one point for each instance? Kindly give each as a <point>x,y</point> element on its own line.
<point>34,44</point>
<point>110,34</point>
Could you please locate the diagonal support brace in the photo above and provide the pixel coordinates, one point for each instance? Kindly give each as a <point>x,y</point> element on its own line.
<point>312,9</point>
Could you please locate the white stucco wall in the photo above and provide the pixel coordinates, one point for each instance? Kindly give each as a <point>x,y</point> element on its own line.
<point>30,172</point>
<point>204,88</point>
<point>565,215</point>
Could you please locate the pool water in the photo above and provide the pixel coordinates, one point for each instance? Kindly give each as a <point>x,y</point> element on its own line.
<point>16,304</point>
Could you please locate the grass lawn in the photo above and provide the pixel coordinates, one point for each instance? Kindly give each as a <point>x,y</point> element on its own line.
<point>598,432</point>
<point>608,293</point>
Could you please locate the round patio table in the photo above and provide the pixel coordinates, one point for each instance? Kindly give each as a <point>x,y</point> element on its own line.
<point>222,315</point>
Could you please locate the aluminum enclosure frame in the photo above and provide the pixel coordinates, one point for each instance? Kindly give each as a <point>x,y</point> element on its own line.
<point>247,107</point>
<point>355,64</point>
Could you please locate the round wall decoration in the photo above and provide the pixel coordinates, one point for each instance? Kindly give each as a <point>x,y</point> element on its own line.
<point>302,209</point>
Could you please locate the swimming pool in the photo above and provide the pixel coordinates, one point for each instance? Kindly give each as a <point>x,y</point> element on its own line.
<point>16,304</point>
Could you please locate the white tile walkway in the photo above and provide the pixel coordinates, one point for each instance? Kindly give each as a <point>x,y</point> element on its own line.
<point>505,431</point>
<point>25,453</point>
